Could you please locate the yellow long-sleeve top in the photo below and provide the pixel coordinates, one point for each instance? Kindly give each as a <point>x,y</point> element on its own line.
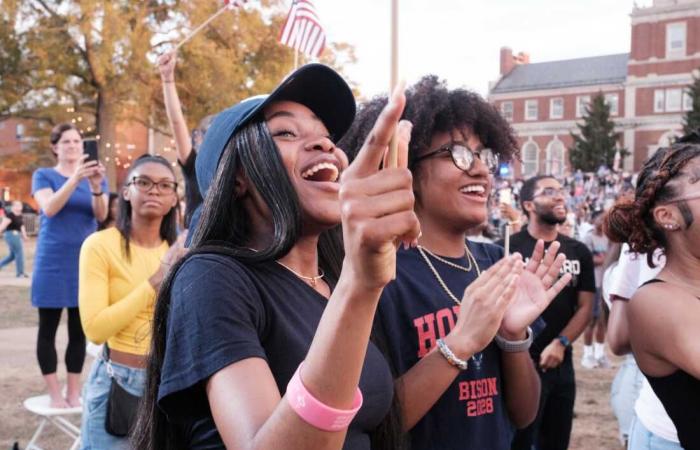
<point>116,300</point>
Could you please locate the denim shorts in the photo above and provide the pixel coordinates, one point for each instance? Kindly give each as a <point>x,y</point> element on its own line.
<point>95,393</point>
<point>643,439</point>
<point>624,393</point>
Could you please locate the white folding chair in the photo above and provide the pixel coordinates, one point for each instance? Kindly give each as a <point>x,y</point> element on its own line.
<point>41,406</point>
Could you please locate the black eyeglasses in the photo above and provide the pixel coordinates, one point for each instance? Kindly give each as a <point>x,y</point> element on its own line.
<point>552,192</point>
<point>145,184</point>
<point>463,157</point>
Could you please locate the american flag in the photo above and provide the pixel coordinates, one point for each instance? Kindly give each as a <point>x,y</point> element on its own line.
<point>234,3</point>
<point>303,30</point>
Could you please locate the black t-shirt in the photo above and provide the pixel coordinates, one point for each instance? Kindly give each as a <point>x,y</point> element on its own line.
<point>222,312</point>
<point>193,198</point>
<point>16,222</point>
<point>579,263</point>
<point>414,312</point>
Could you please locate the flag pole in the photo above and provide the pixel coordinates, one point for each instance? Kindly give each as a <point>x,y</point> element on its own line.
<point>392,157</point>
<point>199,28</point>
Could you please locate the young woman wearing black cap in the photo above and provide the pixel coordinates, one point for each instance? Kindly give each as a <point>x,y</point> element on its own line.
<point>263,291</point>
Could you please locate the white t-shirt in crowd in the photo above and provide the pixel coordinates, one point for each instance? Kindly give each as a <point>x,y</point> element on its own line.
<point>631,272</point>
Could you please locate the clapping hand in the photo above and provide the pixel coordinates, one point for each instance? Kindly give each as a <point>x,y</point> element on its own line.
<point>537,287</point>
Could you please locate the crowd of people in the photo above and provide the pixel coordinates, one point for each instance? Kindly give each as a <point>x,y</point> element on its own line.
<point>317,295</point>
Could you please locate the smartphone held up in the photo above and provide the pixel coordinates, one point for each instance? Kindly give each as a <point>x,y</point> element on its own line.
<point>90,149</point>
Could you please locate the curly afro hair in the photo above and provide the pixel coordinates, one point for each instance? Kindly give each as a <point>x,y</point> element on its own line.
<point>432,108</point>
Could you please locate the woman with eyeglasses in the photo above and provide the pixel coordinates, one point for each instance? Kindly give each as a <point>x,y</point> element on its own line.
<point>662,316</point>
<point>121,269</point>
<point>72,196</point>
<point>455,320</point>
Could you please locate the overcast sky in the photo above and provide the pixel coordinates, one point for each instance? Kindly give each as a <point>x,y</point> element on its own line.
<point>459,40</point>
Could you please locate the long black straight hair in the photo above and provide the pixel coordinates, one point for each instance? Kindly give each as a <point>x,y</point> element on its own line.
<point>224,228</point>
<point>123,223</point>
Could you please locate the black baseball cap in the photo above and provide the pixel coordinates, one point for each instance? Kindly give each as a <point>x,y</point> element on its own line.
<point>318,87</point>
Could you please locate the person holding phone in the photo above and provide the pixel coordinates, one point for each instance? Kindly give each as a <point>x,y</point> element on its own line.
<point>72,197</point>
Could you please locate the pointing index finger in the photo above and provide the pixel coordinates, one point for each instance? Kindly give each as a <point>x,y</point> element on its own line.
<point>370,155</point>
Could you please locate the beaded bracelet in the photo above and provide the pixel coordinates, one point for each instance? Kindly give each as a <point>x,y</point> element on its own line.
<point>450,357</point>
<point>314,412</point>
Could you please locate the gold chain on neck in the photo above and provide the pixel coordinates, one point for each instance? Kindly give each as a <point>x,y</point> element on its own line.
<point>470,258</point>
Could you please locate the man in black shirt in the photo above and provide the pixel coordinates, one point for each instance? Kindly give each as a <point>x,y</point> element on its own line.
<point>543,201</point>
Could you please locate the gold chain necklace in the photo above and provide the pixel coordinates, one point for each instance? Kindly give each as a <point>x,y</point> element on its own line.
<point>450,263</point>
<point>312,280</point>
<point>442,283</point>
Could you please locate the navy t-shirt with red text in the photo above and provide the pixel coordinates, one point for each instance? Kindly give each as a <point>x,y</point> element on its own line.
<point>414,312</point>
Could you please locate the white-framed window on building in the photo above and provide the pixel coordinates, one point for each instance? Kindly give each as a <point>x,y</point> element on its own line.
<point>531,110</point>
<point>659,100</point>
<point>613,101</point>
<point>673,100</point>
<point>530,159</point>
<point>556,108</point>
<point>676,40</point>
<point>687,101</point>
<point>582,102</point>
<point>19,131</point>
<point>555,158</point>
<point>507,110</point>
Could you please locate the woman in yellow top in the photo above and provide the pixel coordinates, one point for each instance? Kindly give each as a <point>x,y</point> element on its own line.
<point>121,270</point>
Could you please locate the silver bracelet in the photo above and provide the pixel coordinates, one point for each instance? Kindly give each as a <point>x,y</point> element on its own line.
<point>515,346</point>
<point>450,357</point>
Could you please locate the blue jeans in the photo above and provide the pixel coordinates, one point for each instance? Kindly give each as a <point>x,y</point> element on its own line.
<point>643,439</point>
<point>14,244</point>
<point>623,394</point>
<point>95,393</point>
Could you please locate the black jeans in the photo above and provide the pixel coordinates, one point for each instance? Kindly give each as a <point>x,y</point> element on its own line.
<point>551,429</point>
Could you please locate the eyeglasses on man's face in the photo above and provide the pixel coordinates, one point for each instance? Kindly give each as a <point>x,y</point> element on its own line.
<point>145,184</point>
<point>464,157</point>
<point>552,192</point>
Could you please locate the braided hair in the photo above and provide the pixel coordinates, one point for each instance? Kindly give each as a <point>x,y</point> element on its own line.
<point>633,221</point>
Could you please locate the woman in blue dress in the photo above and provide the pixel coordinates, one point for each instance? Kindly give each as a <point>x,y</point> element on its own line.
<point>73,197</point>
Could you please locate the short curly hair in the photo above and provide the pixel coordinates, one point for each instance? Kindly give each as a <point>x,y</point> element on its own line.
<point>433,108</point>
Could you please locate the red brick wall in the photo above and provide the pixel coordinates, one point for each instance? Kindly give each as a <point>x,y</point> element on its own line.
<point>543,106</point>
<point>649,39</point>
<point>9,143</point>
<point>642,140</point>
<point>664,68</point>
<point>20,185</point>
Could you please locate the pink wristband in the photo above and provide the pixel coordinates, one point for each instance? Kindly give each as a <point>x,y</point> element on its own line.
<point>315,413</point>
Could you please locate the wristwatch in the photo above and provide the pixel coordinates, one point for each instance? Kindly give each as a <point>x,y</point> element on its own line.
<point>564,340</point>
<point>515,346</point>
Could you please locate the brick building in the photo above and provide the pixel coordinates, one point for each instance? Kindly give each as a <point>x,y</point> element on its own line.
<point>644,88</point>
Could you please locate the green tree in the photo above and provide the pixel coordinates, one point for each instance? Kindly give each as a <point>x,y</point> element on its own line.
<point>596,142</point>
<point>93,61</point>
<point>691,121</point>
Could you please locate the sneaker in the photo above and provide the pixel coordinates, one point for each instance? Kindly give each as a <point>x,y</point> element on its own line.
<point>22,275</point>
<point>603,362</point>
<point>589,362</point>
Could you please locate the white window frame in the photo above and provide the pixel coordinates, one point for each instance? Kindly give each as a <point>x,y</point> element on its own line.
<point>528,116</point>
<point>551,160</point>
<point>659,101</point>
<point>526,163</point>
<point>674,100</point>
<point>687,101</point>
<point>507,112</point>
<point>19,131</point>
<point>613,100</point>
<point>560,110</point>
<point>671,38</point>
<point>582,102</point>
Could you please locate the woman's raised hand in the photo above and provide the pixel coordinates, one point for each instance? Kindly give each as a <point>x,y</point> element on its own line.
<point>483,305</point>
<point>537,287</point>
<point>377,205</point>
<point>94,171</point>
<point>166,66</point>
